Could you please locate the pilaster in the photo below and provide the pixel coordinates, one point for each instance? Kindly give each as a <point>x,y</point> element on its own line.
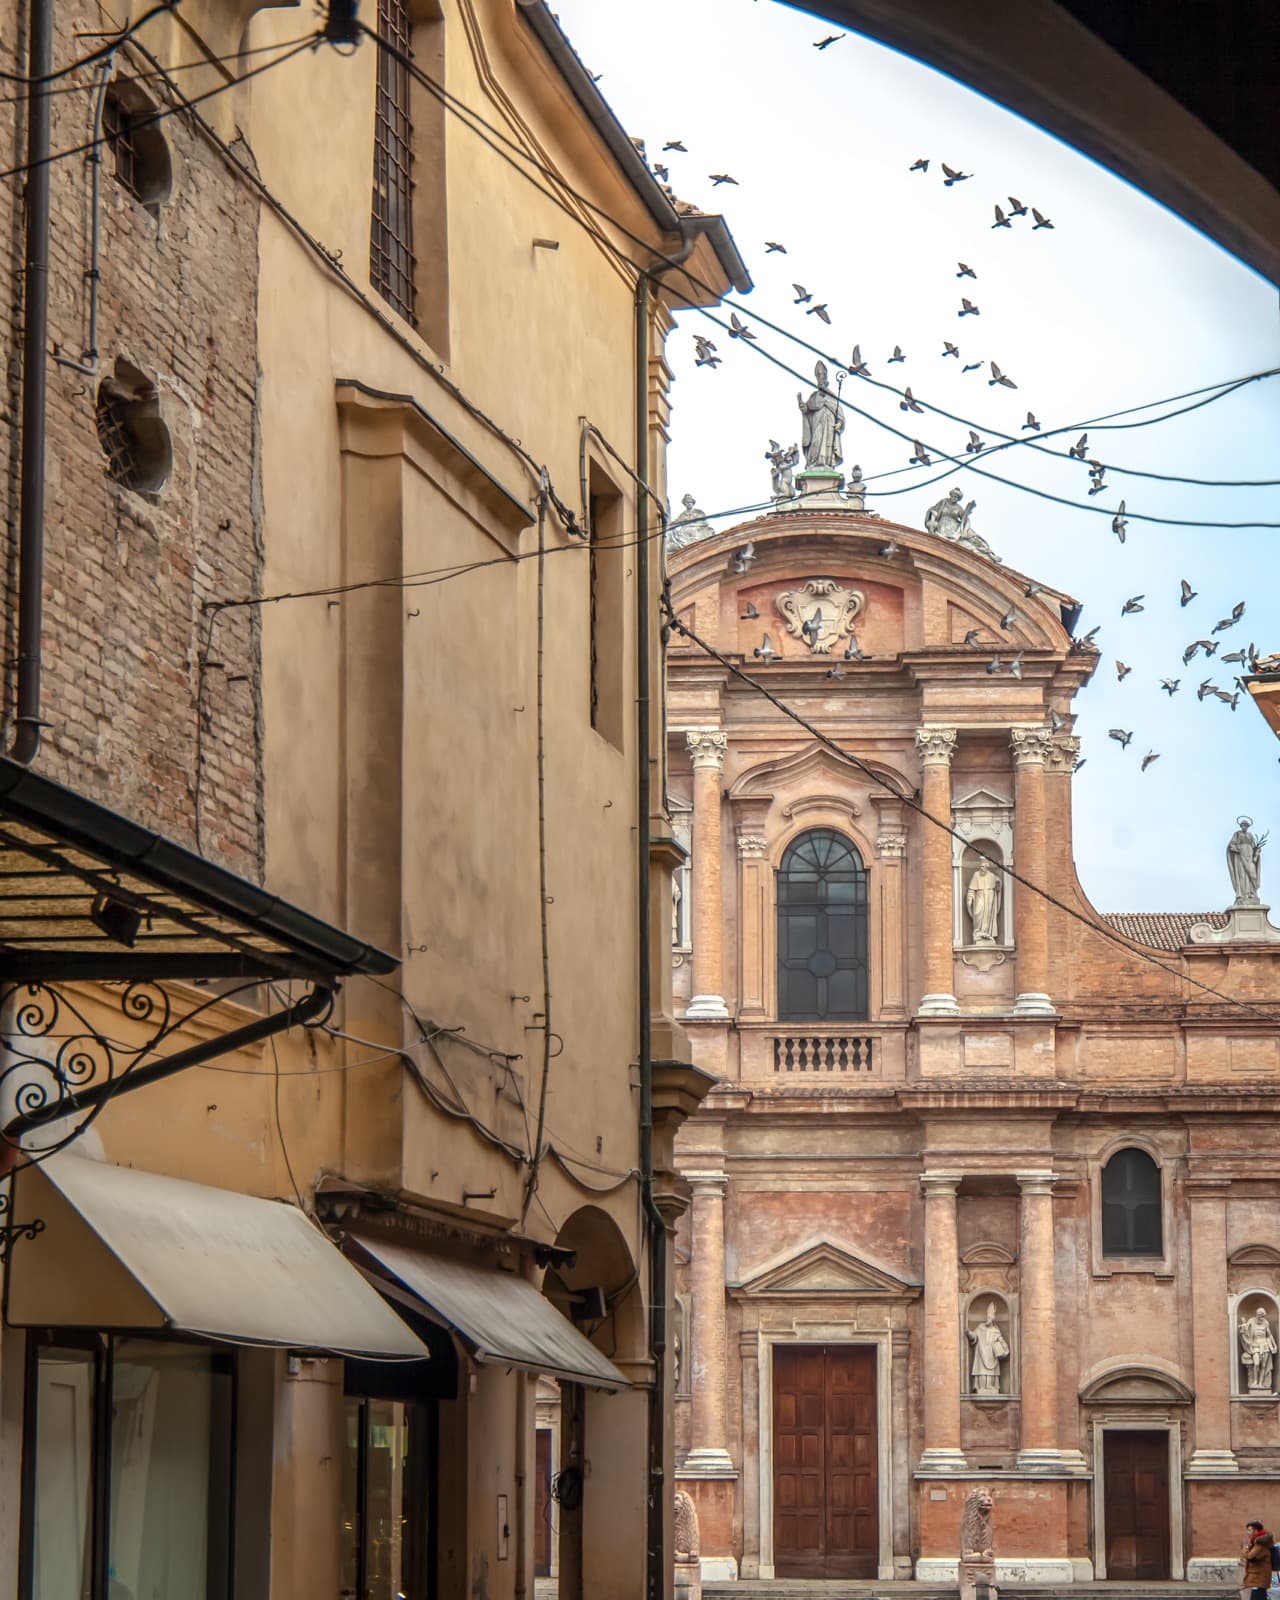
<point>936,746</point>
<point>941,1361</point>
<point>1207,1203</point>
<point>709,1433</point>
<point>1031,748</point>
<point>1039,1325</point>
<point>707,748</point>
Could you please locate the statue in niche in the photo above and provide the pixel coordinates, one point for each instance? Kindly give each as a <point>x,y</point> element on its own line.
<point>990,1348</point>
<point>822,425</point>
<point>1257,1352</point>
<point>677,896</point>
<point>982,901</point>
<point>782,464</point>
<point>1244,861</point>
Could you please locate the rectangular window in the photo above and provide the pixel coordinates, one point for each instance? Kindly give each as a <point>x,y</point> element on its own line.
<point>386,1500</point>
<point>129,1467</point>
<point>393,266</point>
<point>608,561</point>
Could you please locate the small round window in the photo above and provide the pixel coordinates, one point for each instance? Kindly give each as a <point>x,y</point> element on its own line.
<point>133,434</point>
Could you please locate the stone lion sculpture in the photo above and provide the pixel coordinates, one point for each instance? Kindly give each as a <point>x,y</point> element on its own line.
<point>688,1546</point>
<point>977,1541</point>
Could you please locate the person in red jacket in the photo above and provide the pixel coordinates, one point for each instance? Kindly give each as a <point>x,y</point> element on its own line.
<point>1257,1562</point>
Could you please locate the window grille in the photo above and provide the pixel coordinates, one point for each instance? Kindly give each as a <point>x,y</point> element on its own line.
<point>1131,1220</point>
<point>392,265</point>
<point>822,930</point>
<point>117,130</point>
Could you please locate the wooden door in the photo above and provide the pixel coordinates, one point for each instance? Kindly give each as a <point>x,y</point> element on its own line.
<point>825,1499</point>
<point>542,1505</point>
<point>1136,1504</point>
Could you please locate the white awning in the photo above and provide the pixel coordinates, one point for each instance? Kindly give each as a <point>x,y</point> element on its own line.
<point>502,1318</point>
<point>127,1249</point>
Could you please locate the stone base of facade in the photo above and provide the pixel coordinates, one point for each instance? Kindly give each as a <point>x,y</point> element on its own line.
<point>719,1569</point>
<point>1053,1461</point>
<point>707,1462</point>
<point>943,1459</point>
<point>1028,1569</point>
<point>688,1579</point>
<point>1213,1464</point>
<point>1214,1569</point>
<point>709,1007</point>
<point>1033,1005</point>
<point>939,1005</point>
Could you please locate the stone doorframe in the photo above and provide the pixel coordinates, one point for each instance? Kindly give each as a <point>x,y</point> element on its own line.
<point>818,1334</point>
<point>1132,1423</point>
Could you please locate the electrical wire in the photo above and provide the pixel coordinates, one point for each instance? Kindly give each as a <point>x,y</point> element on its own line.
<point>112,44</point>
<point>284,1146</point>
<point>488,133</point>
<point>938,822</point>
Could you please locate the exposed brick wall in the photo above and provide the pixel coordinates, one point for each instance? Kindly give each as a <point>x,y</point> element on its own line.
<point>130,721</point>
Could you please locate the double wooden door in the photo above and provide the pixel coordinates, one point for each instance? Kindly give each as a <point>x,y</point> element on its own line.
<point>1136,1503</point>
<point>825,1499</point>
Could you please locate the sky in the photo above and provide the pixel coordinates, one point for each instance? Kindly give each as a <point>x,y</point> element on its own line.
<point>1119,305</point>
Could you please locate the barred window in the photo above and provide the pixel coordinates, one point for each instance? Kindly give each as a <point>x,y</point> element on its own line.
<point>392,264</point>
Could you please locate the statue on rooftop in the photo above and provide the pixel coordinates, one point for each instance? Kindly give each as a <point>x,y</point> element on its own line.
<point>822,424</point>
<point>691,524</point>
<point>783,464</point>
<point>1244,861</point>
<point>948,519</point>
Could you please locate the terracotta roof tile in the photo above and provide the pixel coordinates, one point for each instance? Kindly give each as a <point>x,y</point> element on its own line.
<point>1161,930</point>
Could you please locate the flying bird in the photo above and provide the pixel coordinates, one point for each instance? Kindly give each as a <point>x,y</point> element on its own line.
<point>922,458</point>
<point>971,639</point>
<point>857,364</point>
<point>1017,207</point>
<point>1207,687</point>
<point>738,330</point>
<point>1120,736</point>
<point>660,171</point>
<point>1080,449</point>
<point>675,144</point>
<point>1188,593</point>
<point>897,354</point>
<point>893,548</point>
<point>1096,486</point>
<point>1118,523</point>
<point>837,672</point>
<point>831,38</point>
<point>1033,588</point>
<point>1209,646</point>
<point>1237,612</point>
<point>854,651</point>
<point>1122,671</point>
<point>965,272</point>
<point>975,443</point>
<point>1015,666</point>
<point>773,248</point>
<point>1056,721</point>
<point>1151,755</point>
<point>909,402</point>
<point>1079,763</point>
<point>994,666</point>
<point>922,165</point>
<point>1000,377</point>
<point>717,178</point>
<point>1007,621</point>
<point>1001,220</point>
<point>1040,222</point>
<point>811,627</point>
<point>1189,654</point>
<point>1088,638</point>
<point>820,312</point>
<point>764,651</point>
<point>967,308</point>
<point>1170,686</point>
<point>1131,605</point>
<point>802,294</point>
<point>706,352</point>
<point>953,175</point>
<point>1237,656</point>
<point>1031,422</point>
<point>973,366</point>
<point>949,349</point>
<point>750,614</point>
<point>742,559</point>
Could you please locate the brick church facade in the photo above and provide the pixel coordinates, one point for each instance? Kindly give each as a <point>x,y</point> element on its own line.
<point>984,1195</point>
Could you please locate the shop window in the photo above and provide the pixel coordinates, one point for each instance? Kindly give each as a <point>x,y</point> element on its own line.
<point>141,155</point>
<point>1131,1220</point>
<point>822,930</point>
<point>128,1463</point>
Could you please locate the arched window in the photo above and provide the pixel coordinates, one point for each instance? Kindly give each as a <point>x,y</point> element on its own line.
<point>822,930</point>
<point>1131,1221</point>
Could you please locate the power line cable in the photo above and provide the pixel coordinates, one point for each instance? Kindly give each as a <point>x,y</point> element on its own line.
<point>484,129</point>
<point>914,805</point>
<point>103,50</point>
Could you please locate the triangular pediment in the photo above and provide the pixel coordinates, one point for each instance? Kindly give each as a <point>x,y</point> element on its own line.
<point>826,1269</point>
<point>982,800</point>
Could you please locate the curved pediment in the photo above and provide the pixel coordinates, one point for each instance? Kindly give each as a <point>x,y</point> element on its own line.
<point>807,769</point>
<point>987,1253</point>
<point>1136,1383</point>
<point>1254,1255</point>
<point>824,1269</point>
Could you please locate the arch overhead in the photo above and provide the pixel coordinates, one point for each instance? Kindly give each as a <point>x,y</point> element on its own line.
<point>600,1290</point>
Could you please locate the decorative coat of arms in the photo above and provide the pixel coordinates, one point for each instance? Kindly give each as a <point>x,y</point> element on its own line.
<point>821,613</point>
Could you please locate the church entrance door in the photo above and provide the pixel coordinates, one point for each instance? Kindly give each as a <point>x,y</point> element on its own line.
<point>1136,1490</point>
<point>825,1503</point>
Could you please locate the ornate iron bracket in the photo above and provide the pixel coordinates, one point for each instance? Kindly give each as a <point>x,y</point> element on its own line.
<point>11,1232</point>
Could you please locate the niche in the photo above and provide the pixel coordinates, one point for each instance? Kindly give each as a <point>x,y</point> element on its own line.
<point>983,897</point>
<point>988,1352</point>
<point>1254,1325</point>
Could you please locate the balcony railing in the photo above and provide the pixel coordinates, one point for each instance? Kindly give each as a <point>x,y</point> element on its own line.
<point>824,1052</point>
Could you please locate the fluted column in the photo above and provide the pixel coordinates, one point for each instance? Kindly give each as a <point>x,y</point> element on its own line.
<point>936,747</point>
<point>1038,1324</point>
<point>709,1424</point>
<point>1213,1347</point>
<point>1031,748</point>
<point>707,747</point>
<point>941,1355</point>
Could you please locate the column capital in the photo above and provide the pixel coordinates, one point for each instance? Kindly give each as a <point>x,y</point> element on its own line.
<point>1038,1182</point>
<point>936,745</point>
<point>752,846</point>
<point>939,1183</point>
<point>710,1183</point>
<point>1031,746</point>
<point>891,846</point>
<point>1063,754</point>
<point>707,746</point>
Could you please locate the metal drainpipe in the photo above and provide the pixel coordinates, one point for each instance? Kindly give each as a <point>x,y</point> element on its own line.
<point>35,373</point>
<point>655,1567</point>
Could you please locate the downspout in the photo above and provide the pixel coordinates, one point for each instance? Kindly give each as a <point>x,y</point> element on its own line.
<point>35,372</point>
<point>659,1489</point>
